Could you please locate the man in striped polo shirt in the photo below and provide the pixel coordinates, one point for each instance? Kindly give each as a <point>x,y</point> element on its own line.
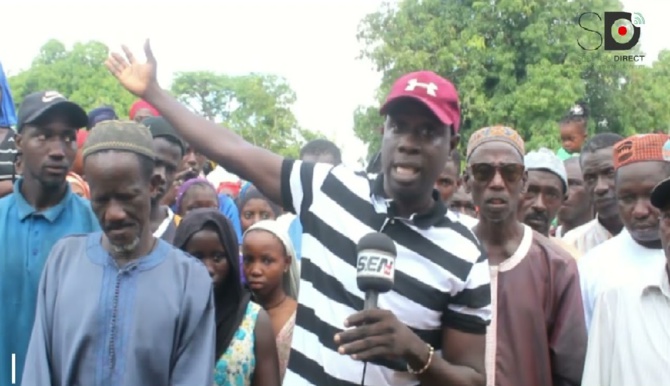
<point>441,300</point>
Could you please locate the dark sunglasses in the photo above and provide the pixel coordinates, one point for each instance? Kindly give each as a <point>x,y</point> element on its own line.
<point>484,172</point>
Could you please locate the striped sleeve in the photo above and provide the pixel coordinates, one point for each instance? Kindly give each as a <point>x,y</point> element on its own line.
<point>470,309</point>
<point>299,182</point>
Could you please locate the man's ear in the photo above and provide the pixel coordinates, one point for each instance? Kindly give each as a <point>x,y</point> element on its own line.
<point>18,142</point>
<point>154,184</point>
<point>455,141</point>
<point>524,182</point>
<point>466,182</point>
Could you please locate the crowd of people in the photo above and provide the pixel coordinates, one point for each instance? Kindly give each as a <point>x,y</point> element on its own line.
<point>166,250</point>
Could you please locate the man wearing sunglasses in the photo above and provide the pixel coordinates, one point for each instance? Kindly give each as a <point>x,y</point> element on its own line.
<point>537,335</point>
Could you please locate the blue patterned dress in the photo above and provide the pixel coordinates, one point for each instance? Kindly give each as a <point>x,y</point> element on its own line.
<point>236,365</point>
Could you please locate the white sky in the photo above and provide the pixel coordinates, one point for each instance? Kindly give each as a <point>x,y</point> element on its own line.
<point>312,43</point>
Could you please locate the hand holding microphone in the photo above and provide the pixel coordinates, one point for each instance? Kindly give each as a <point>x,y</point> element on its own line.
<point>376,333</point>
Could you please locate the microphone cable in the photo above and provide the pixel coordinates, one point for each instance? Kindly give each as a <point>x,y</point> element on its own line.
<point>365,367</point>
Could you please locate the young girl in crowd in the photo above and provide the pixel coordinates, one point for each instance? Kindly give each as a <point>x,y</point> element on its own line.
<point>195,193</point>
<point>254,207</point>
<point>245,346</point>
<point>272,276</point>
<point>574,131</point>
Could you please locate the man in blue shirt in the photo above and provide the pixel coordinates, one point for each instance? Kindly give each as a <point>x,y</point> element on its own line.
<point>318,150</point>
<point>40,211</point>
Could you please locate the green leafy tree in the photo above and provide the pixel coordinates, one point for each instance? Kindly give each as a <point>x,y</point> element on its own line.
<point>367,127</point>
<point>79,74</point>
<point>644,97</point>
<point>514,62</point>
<point>257,106</point>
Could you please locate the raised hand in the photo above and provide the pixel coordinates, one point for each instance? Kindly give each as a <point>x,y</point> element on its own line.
<point>136,77</point>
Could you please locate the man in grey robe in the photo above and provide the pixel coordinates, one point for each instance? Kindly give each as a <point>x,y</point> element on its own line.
<point>121,307</point>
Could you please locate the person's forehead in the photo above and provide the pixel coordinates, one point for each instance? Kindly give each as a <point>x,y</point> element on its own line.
<point>321,157</point>
<point>496,151</point>
<point>570,126</point>
<point>543,178</point>
<point>164,145</point>
<point>599,158</point>
<point>52,120</point>
<point>449,168</point>
<point>200,190</point>
<point>409,106</point>
<point>573,169</point>
<point>648,172</point>
<point>113,159</point>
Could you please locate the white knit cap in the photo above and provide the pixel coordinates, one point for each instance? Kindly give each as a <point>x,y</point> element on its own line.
<point>545,159</point>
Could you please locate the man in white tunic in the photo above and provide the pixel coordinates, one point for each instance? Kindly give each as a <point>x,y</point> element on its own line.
<point>635,252</point>
<point>597,164</point>
<point>629,342</point>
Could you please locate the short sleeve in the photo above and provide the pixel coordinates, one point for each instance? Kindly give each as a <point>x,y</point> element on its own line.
<point>470,309</point>
<point>300,181</point>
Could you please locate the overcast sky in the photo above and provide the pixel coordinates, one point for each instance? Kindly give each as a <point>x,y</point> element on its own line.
<point>312,43</point>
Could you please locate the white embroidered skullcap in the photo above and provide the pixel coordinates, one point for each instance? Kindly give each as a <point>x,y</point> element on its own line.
<point>545,159</point>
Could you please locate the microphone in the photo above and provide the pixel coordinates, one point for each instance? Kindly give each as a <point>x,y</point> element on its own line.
<point>375,266</point>
<point>375,271</point>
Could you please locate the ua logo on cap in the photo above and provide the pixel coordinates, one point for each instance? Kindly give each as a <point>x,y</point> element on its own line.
<point>431,87</point>
<point>50,96</point>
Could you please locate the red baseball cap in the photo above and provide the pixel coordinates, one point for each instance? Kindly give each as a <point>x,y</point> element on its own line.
<point>437,93</point>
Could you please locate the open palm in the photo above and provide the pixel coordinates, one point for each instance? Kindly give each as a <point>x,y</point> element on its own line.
<point>136,77</point>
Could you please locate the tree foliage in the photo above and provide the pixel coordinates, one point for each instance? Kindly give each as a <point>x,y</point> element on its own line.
<point>79,74</point>
<point>514,62</point>
<point>256,106</point>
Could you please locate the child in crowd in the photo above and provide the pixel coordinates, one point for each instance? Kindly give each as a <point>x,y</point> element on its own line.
<point>195,193</point>
<point>246,353</point>
<point>574,131</point>
<point>272,275</point>
<point>254,207</point>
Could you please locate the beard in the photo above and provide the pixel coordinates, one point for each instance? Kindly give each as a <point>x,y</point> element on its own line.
<point>124,249</point>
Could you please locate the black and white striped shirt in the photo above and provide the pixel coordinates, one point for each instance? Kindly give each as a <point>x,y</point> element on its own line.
<point>8,153</point>
<point>441,278</point>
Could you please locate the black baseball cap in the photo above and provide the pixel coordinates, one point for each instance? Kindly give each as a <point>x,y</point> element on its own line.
<point>660,195</point>
<point>37,104</point>
<point>160,127</point>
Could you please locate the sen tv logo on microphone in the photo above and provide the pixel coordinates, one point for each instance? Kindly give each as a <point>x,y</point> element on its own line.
<point>613,31</point>
<point>376,265</point>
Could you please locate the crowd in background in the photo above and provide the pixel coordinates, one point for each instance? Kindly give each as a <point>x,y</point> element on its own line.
<point>164,249</point>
